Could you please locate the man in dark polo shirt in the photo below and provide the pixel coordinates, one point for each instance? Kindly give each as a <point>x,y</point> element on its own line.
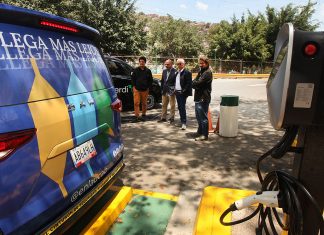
<point>142,81</point>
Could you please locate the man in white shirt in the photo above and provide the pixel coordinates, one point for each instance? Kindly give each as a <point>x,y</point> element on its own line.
<point>183,89</point>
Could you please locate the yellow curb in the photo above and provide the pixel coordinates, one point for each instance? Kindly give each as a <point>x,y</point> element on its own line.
<point>239,75</point>
<point>156,195</point>
<point>226,75</point>
<point>105,219</point>
<point>107,216</point>
<point>213,203</point>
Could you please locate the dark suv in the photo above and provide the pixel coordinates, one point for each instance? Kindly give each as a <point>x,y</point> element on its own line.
<point>121,74</point>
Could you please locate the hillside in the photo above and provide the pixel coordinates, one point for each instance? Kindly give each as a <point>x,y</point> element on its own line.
<point>203,27</point>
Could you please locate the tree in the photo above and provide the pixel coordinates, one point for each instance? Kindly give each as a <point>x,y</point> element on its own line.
<point>243,39</point>
<point>122,33</point>
<point>299,16</point>
<point>174,38</point>
<point>115,19</point>
<point>253,37</point>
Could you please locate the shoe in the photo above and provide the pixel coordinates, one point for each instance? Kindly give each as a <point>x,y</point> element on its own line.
<point>138,119</point>
<point>143,118</point>
<point>196,134</point>
<point>183,127</point>
<point>201,138</point>
<point>171,120</point>
<point>162,120</point>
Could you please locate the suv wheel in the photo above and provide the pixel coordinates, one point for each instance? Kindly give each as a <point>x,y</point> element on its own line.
<point>150,101</point>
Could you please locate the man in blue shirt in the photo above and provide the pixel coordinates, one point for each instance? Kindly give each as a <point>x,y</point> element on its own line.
<point>167,86</point>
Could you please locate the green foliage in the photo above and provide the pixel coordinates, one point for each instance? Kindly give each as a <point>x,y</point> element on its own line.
<point>124,32</point>
<point>174,38</point>
<point>239,40</point>
<point>253,37</point>
<point>117,22</point>
<point>115,19</point>
<point>299,16</point>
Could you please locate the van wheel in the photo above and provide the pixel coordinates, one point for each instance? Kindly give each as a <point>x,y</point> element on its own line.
<point>150,101</point>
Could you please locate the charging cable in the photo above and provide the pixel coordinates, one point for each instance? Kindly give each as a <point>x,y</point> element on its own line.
<point>279,190</point>
<point>269,198</point>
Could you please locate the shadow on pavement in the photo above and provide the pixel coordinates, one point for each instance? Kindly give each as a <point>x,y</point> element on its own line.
<point>163,158</point>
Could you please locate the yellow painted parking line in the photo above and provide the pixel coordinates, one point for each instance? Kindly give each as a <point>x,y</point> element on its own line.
<point>100,224</point>
<point>213,203</point>
<point>239,75</point>
<point>226,75</point>
<point>156,195</point>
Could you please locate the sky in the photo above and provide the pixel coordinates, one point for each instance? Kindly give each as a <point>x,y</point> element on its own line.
<point>214,11</point>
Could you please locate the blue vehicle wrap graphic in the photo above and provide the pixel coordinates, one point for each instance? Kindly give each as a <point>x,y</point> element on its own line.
<point>51,50</point>
<point>40,175</point>
<point>84,117</point>
<point>17,169</point>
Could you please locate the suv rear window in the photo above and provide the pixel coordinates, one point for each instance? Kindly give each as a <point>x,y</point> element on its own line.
<point>116,68</point>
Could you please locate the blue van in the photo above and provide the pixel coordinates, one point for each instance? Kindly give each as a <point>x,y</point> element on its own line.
<point>60,133</point>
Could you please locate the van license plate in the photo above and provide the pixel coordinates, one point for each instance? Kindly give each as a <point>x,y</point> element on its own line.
<point>83,153</point>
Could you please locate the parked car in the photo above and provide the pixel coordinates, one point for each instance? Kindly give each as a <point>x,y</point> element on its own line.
<point>60,139</point>
<point>121,74</point>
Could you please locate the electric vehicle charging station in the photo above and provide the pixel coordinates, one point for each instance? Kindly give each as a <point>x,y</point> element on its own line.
<point>295,92</point>
<point>295,86</point>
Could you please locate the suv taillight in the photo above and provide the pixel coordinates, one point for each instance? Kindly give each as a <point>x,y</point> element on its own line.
<point>117,105</point>
<point>9,142</point>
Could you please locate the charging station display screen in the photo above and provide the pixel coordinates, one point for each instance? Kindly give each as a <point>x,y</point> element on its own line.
<point>281,55</point>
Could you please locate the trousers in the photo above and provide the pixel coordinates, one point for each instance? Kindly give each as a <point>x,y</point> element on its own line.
<point>166,99</point>
<point>201,110</point>
<point>140,97</point>
<point>181,100</point>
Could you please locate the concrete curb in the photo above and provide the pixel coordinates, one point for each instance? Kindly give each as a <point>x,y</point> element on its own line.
<point>182,220</point>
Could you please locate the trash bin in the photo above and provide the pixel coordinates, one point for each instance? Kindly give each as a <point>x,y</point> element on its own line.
<point>228,126</point>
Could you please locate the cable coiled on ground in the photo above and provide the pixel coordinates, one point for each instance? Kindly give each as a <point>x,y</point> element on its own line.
<point>288,198</point>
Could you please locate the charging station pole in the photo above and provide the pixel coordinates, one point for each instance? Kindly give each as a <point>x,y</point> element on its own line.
<point>309,170</point>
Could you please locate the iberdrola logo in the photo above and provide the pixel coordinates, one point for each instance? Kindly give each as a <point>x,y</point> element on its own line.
<point>125,89</point>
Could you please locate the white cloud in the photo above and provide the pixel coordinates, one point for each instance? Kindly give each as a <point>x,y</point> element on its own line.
<point>201,6</point>
<point>183,6</point>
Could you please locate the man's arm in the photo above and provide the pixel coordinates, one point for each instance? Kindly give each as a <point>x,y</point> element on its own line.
<point>150,78</point>
<point>188,81</point>
<point>205,78</point>
<point>133,78</point>
<point>162,80</point>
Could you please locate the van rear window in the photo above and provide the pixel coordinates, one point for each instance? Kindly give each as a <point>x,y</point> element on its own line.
<point>68,64</point>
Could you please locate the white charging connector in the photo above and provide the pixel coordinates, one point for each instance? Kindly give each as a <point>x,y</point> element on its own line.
<point>267,198</point>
